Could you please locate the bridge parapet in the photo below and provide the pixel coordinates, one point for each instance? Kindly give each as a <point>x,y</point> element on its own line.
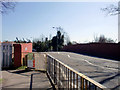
<point>66,77</point>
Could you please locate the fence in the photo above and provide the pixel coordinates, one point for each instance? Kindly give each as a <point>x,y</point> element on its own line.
<point>105,50</point>
<point>67,78</point>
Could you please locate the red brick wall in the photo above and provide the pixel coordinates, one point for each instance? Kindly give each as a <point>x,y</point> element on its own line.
<point>106,50</point>
<point>26,47</point>
<point>17,55</point>
<point>20,51</point>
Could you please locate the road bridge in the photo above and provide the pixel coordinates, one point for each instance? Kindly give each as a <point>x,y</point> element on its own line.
<point>104,71</point>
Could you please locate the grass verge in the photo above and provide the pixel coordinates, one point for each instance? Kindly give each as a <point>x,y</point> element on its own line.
<point>1,80</point>
<point>22,68</point>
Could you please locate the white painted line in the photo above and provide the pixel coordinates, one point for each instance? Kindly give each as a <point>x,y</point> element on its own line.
<point>93,64</point>
<point>44,55</point>
<point>68,56</point>
<point>99,65</point>
<point>99,58</point>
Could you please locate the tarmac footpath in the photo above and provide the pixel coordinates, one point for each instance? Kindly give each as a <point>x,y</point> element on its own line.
<point>21,79</point>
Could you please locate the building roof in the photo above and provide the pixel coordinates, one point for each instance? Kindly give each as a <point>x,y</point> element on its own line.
<point>8,42</point>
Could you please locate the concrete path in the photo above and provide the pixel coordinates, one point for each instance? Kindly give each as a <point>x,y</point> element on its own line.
<point>21,79</point>
<point>40,61</point>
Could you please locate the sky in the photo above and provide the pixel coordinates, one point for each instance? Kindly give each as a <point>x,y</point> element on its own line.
<point>80,20</point>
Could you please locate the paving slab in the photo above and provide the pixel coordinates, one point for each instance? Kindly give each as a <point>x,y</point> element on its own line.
<point>40,61</point>
<point>21,79</point>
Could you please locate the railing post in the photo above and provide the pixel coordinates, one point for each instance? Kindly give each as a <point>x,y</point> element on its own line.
<point>59,75</point>
<point>82,83</point>
<point>46,62</point>
<point>77,81</point>
<point>89,85</point>
<point>95,87</point>
<point>70,79</point>
<point>52,68</point>
<point>54,71</point>
<point>66,76</point>
<point>86,84</point>
<point>73,80</point>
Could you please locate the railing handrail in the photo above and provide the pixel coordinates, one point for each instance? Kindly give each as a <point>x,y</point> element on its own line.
<point>80,74</point>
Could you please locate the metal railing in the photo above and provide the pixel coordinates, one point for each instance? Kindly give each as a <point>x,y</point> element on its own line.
<point>64,77</point>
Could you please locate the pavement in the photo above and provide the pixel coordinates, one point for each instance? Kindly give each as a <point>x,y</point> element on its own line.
<point>20,79</point>
<point>104,71</point>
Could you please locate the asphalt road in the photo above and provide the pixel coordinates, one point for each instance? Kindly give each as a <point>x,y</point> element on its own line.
<point>104,71</point>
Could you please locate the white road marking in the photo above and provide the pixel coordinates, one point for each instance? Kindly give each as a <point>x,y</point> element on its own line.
<point>99,65</point>
<point>68,56</point>
<point>101,59</point>
<point>90,62</point>
<point>93,64</point>
<point>44,55</point>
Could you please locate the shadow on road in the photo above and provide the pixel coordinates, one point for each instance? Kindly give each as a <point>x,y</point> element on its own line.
<point>108,79</point>
<point>110,76</point>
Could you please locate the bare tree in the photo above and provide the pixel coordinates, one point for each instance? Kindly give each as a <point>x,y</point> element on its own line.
<point>7,5</point>
<point>112,9</point>
<point>103,39</point>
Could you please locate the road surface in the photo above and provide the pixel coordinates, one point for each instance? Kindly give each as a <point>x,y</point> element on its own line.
<point>104,71</point>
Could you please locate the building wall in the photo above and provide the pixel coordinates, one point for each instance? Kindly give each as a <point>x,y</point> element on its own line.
<point>17,55</point>
<point>7,54</point>
<point>105,50</point>
<point>20,51</point>
<point>26,48</point>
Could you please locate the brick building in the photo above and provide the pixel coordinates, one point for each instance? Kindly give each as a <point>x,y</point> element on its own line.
<point>6,48</point>
<point>20,51</point>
